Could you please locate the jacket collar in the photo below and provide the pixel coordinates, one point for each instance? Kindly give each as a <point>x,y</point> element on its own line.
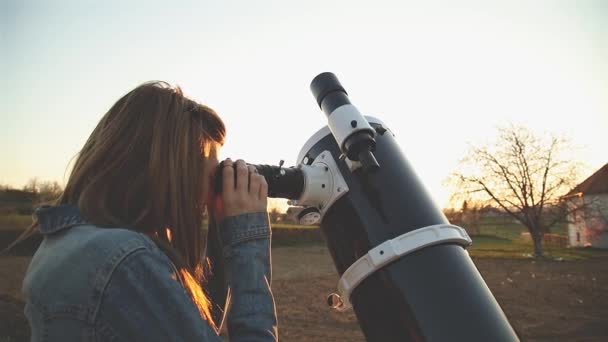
<point>52,219</point>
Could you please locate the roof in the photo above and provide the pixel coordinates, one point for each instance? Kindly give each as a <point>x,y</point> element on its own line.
<point>597,183</point>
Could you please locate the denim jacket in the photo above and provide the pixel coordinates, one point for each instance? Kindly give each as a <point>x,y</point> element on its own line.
<point>87,283</point>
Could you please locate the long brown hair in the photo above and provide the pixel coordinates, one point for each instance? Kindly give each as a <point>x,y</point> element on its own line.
<point>141,169</point>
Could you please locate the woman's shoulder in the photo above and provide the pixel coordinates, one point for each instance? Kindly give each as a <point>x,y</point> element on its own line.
<point>69,236</point>
<point>94,244</point>
<point>116,279</point>
<point>73,264</point>
<point>107,241</point>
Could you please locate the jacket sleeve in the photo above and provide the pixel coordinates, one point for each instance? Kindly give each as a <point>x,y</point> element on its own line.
<point>246,249</point>
<point>144,301</point>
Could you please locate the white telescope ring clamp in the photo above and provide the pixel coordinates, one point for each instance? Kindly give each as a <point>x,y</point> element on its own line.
<point>389,251</point>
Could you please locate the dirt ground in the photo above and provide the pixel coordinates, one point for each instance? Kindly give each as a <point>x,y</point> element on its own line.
<point>544,300</point>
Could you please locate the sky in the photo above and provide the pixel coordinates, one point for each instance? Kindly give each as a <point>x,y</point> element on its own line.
<point>440,75</point>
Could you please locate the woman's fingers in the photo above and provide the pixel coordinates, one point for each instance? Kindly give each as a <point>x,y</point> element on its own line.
<point>242,176</point>
<point>227,176</point>
<point>263,191</point>
<point>258,188</point>
<point>254,180</point>
<point>245,191</point>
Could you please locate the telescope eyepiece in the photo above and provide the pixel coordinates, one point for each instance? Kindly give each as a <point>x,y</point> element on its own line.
<point>328,92</point>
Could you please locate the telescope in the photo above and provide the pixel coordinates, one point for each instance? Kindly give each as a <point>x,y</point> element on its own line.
<point>404,269</point>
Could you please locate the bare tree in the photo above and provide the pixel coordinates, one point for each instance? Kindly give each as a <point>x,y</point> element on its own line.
<point>32,185</point>
<point>469,216</point>
<point>45,192</point>
<point>525,175</point>
<point>274,215</point>
<point>48,191</point>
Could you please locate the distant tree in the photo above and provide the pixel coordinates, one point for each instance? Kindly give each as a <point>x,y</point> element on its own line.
<point>469,217</point>
<point>31,185</point>
<point>523,174</point>
<point>465,206</point>
<point>452,215</point>
<point>43,191</point>
<point>48,191</point>
<point>274,215</point>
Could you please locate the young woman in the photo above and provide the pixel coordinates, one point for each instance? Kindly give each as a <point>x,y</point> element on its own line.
<point>122,257</point>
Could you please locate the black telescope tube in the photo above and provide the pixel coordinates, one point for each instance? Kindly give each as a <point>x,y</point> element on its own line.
<point>328,92</point>
<point>282,182</point>
<point>434,293</point>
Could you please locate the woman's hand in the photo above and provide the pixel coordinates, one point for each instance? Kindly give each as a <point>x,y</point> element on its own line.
<point>243,190</point>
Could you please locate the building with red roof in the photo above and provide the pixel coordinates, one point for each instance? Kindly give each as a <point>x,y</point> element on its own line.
<point>589,227</point>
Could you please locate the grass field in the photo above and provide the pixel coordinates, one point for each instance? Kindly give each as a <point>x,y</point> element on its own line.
<point>289,225</point>
<point>487,226</point>
<point>15,221</point>
<point>510,229</point>
<point>495,247</point>
<point>543,299</point>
